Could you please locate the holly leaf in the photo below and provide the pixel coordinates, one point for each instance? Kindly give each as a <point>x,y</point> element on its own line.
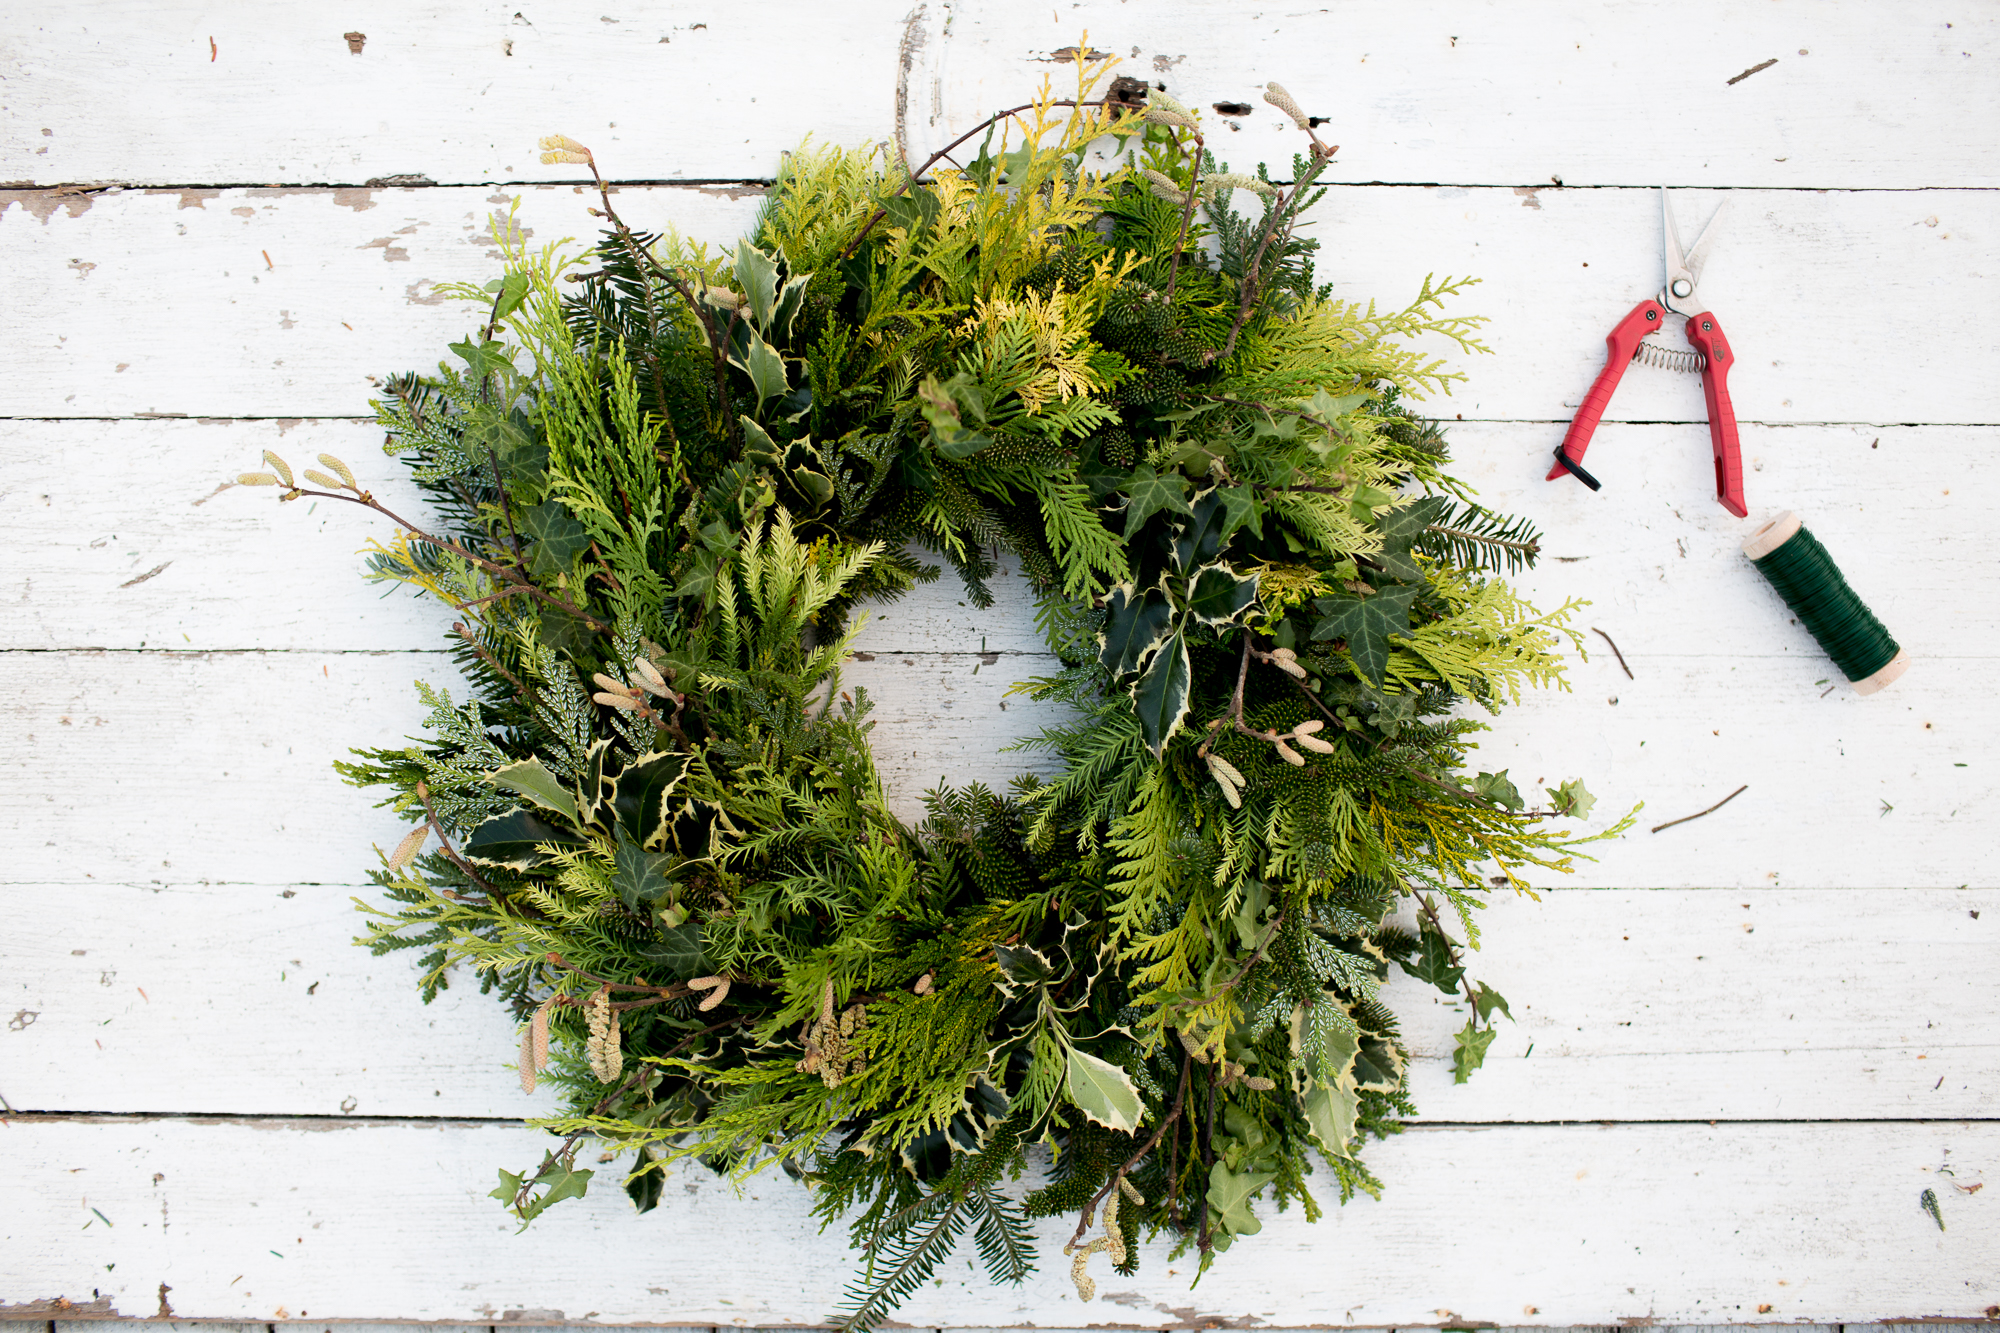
<point>514,840</point>
<point>1378,1067</point>
<point>639,876</point>
<point>1331,1110</point>
<point>1219,594</point>
<point>1497,788</point>
<point>1485,1000</point>
<point>758,276</point>
<point>1240,509</point>
<point>1148,492</point>
<point>1471,1053</point>
<point>1200,538</point>
<point>643,789</point>
<point>1161,695</point>
<point>559,539</point>
<point>1572,798</point>
<point>1021,966</point>
<point>1103,1092</point>
<point>483,358</point>
<point>645,1187</point>
<point>1136,625</point>
<point>766,369</point>
<point>532,779</point>
<point>1366,623</point>
<point>1434,963</point>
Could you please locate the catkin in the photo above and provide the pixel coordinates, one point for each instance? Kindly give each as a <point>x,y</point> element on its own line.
<point>407,849</point>
<point>607,1060</point>
<point>562,148</point>
<point>1275,94</point>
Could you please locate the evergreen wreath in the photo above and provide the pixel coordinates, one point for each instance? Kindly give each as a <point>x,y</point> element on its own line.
<point>658,830</point>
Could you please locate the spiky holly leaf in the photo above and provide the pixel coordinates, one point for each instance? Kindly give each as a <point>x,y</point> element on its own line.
<point>1103,1092</point>
<point>1471,1053</point>
<point>559,539</point>
<point>758,276</point>
<point>765,367</point>
<point>532,779</point>
<point>1200,538</point>
<point>1219,594</point>
<point>1366,624</point>
<point>1135,625</point>
<point>1148,493</point>
<point>514,840</point>
<point>1331,1110</point>
<point>643,790</point>
<point>1160,696</point>
<point>1379,1066</point>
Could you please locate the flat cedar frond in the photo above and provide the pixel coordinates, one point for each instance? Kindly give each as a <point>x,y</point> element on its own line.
<point>660,484</point>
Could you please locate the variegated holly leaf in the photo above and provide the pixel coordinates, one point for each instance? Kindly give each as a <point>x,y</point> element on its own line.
<point>1378,1067</point>
<point>643,790</point>
<point>1331,1110</point>
<point>1366,624</point>
<point>1199,540</point>
<point>757,273</point>
<point>532,779</point>
<point>1219,594</point>
<point>513,840</point>
<point>1160,696</point>
<point>765,367</point>
<point>1103,1092</point>
<point>1136,624</point>
<point>1021,966</point>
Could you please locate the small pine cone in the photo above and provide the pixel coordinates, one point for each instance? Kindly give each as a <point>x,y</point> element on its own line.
<point>1276,95</point>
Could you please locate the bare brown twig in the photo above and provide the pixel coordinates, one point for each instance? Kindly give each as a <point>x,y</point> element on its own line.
<point>1699,813</point>
<point>1614,648</point>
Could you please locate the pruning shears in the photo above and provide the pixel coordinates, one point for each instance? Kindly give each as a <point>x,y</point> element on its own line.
<point>1711,356</point>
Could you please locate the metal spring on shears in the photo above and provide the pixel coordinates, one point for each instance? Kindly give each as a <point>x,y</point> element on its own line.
<point>1684,359</point>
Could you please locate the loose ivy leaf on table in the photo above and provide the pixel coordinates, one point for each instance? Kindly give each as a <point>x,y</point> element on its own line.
<point>1366,623</point>
<point>1471,1053</point>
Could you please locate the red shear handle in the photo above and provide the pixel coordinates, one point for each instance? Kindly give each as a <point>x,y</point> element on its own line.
<point>1707,337</point>
<point>1622,343</point>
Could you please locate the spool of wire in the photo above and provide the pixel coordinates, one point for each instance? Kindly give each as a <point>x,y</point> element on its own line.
<point>1794,562</point>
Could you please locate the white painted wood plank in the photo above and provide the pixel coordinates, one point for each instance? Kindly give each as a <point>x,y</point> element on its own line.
<point>1666,1223</point>
<point>107,287</point>
<point>1902,509</point>
<point>1858,94</point>
<point>1857,1004</point>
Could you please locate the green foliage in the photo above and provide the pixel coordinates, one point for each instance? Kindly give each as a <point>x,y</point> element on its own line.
<point>663,480</point>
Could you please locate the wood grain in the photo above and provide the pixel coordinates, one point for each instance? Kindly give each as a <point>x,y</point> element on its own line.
<point>1577,93</point>
<point>250,999</point>
<point>107,286</point>
<point>321,1219</point>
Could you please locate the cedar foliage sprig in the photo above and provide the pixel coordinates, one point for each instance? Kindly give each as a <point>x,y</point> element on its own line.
<point>663,483</point>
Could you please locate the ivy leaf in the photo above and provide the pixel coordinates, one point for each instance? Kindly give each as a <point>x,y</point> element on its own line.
<point>1497,788</point>
<point>513,840</point>
<point>1330,409</point>
<point>1365,500</point>
<point>1161,695</point>
<point>1136,625</point>
<point>483,359</point>
<point>766,369</point>
<point>1103,1092</point>
<point>1434,964</point>
<point>758,275</point>
<point>1400,530</point>
<point>1485,1000</point>
<point>1572,798</point>
<point>1331,1110</point>
<point>1220,594</point>
<point>678,949</point>
<point>1366,623</point>
<point>1240,509</point>
<point>559,539</point>
<point>509,292</point>
<point>639,876</point>
<point>1014,165</point>
<point>1471,1053</point>
<point>1229,1197</point>
<point>1148,493</point>
<point>532,779</point>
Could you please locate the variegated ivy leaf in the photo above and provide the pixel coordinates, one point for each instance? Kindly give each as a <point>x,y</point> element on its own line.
<point>532,779</point>
<point>1160,696</point>
<point>1219,594</point>
<point>1366,624</point>
<point>1103,1092</point>
<point>1137,624</point>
